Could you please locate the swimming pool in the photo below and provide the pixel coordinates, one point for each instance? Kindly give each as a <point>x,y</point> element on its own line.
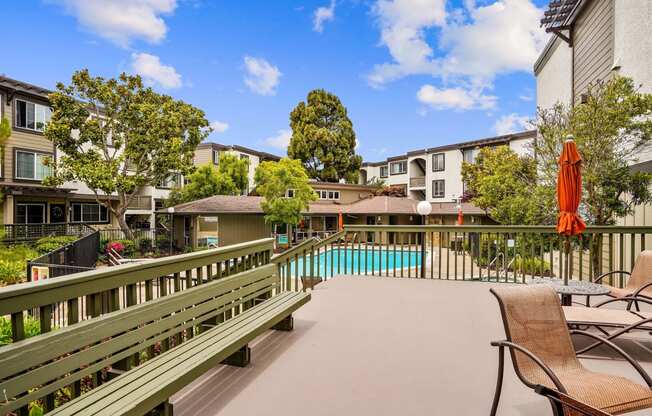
<point>357,261</point>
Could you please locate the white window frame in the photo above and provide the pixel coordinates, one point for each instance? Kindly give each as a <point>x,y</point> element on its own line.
<point>435,165</point>
<point>37,107</point>
<point>36,156</point>
<point>402,164</point>
<point>386,169</point>
<point>81,212</point>
<point>289,193</point>
<point>327,195</point>
<point>216,156</point>
<point>443,190</point>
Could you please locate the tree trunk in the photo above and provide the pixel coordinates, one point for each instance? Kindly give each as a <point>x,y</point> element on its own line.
<point>596,257</point>
<point>120,213</point>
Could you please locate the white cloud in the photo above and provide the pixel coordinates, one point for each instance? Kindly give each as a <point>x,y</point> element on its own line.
<point>219,126</point>
<point>120,21</point>
<point>455,98</point>
<point>153,71</point>
<point>474,43</point>
<point>512,123</point>
<point>527,96</point>
<point>281,140</point>
<point>262,77</point>
<point>322,15</point>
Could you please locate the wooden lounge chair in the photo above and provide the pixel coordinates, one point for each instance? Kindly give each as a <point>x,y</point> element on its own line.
<point>604,319</point>
<point>542,353</point>
<point>639,282</point>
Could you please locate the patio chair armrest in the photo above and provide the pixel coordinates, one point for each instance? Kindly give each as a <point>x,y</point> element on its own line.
<point>603,275</point>
<point>537,360</point>
<point>642,288</point>
<point>627,357</point>
<point>629,299</point>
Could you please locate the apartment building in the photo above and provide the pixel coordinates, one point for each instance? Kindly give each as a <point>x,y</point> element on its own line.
<point>210,153</point>
<point>435,174</point>
<point>27,201</point>
<point>593,39</point>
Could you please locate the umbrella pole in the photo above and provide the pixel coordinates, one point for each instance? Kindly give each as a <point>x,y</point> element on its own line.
<point>567,260</point>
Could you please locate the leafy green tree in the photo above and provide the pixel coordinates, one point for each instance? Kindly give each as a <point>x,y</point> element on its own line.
<point>115,136</point>
<point>323,138</point>
<point>230,177</point>
<point>5,132</point>
<point>274,180</point>
<point>610,127</point>
<point>236,169</point>
<point>504,184</point>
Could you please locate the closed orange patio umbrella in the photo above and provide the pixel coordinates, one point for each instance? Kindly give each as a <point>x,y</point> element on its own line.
<point>569,194</point>
<point>340,222</point>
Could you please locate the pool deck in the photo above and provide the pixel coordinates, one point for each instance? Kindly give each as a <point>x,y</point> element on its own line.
<point>382,346</point>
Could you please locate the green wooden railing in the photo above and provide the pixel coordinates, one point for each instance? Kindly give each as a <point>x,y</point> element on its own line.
<point>481,253</point>
<point>67,300</point>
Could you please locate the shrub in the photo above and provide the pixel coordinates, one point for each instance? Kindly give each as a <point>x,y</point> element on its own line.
<point>127,247</point>
<point>144,244</point>
<point>163,242</point>
<point>12,271</point>
<point>48,244</point>
<point>532,266</point>
<point>32,327</point>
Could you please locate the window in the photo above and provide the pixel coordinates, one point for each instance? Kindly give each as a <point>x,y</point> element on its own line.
<point>89,212</point>
<point>172,181</point>
<point>398,168</point>
<point>243,156</point>
<point>383,171</point>
<point>32,116</point>
<point>216,157</point>
<point>438,162</point>
<point>438,188</point>
<point>30,213</point>
<point>31,165</point>
<point>469,156</point>
<point>328,195</point>
<point>289,193</point>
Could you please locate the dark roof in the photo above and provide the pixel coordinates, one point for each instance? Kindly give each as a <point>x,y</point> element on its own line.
<point>23,87</point>
<point>506,138</point>
<point>376,205</point>
<point>642,167</point>
<point>242,149</point>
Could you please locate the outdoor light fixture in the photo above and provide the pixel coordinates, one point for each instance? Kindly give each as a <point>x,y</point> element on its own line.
<point>424,208</point>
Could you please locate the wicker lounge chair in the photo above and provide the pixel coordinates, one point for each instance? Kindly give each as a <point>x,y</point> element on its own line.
<point>542,353</point>
<point>565,405</point>
<point>640,279</point>
<point>604,319</point>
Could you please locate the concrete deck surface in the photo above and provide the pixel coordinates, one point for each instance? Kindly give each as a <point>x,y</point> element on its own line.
<point>381,346</point>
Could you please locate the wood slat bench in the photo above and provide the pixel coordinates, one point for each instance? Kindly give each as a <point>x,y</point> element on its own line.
<point>196,329</point>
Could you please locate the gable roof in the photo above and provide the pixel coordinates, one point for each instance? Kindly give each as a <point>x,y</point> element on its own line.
<point>376,205</point>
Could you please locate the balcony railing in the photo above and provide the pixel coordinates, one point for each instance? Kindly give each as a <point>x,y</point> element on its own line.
<point>141,202</point>
<point>511,254</point>
<point>418,182</point>
<point>25,232</point>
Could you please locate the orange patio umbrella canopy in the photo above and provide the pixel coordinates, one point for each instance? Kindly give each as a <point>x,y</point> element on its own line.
<point>569,190</point>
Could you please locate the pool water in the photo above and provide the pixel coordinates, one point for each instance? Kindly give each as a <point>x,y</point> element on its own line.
<point>357,261</point>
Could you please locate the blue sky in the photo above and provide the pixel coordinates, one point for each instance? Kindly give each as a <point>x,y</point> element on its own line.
<point>412,73</point>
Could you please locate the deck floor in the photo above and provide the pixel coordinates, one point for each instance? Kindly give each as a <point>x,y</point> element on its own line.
<point>381,346</point>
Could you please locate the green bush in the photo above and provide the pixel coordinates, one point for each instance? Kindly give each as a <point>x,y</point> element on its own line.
<point>12,271</point>
<point>144,244</point>
<point>532,266</point>
<point>163,242</point>
<point>32,328</point>
<point>129,247</point>
<point>48,244</point>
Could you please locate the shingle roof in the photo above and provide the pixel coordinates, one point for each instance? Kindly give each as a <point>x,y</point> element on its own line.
<point>377,205</point>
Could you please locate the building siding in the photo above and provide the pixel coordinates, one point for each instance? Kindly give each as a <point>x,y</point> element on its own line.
<point>593,50</point>
<point>237,228</point>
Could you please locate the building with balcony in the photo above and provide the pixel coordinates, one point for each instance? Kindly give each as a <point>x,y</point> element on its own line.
<point>435,174</point>
<point>22,170</point>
